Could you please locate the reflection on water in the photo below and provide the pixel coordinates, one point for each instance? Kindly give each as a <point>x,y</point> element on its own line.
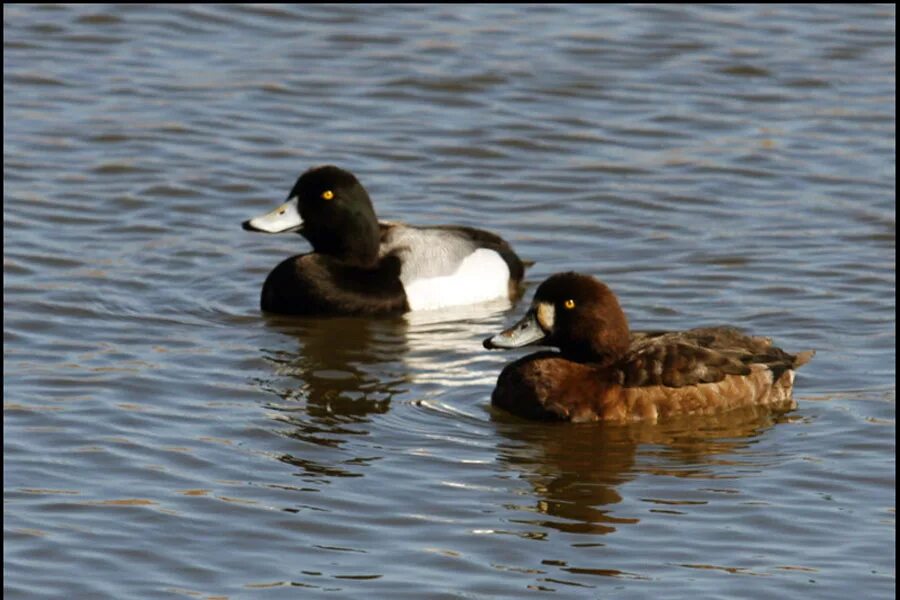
<point>344,371</point>
<point>711,163</point>
<point>341,374</point>
<point>576,470</point>
<point>352,367</point>
<point>341,368</point>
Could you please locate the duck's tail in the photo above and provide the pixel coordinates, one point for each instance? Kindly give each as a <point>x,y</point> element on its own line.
<point>801,358</point>
<point>788,362</point>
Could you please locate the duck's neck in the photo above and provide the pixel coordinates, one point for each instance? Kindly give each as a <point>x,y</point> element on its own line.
<point>602,358</point>
<point>603,344</point>
<point>353,237</point>
<point>356,245</point>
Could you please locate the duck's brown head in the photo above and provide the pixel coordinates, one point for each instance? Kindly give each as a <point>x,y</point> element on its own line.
<point>577,314</point>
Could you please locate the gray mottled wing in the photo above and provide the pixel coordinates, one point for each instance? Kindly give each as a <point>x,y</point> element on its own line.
<point>703,355</point>
<point>677,364</point>
<point>426,252</point>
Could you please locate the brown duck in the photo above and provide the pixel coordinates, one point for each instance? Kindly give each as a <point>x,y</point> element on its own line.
<point>603,372</point>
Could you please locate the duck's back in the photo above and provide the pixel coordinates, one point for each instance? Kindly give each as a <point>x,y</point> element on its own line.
<point>705,370</point>
<point>451,265</point>
<point>702,355</point>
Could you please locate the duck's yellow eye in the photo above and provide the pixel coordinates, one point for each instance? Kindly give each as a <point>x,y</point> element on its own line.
<point>570,304</point>
<point>327,194</point>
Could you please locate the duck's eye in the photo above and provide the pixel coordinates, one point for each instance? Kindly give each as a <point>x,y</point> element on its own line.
<point>570,304</point>
<point>281,212</point>
<point>327,195</point>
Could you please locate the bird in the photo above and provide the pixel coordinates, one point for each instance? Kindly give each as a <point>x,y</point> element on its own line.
<point>361,266</point>
<point>604,372</point>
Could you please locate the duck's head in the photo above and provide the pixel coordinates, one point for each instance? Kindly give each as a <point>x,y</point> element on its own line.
<point>577,314</point>
<point>331,209</point>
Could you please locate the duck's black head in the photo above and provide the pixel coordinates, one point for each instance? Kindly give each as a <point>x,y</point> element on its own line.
<point>331,209</point>
<point>577,314</point>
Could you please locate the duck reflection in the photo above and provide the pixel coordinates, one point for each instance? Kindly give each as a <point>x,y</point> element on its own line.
<point>346,370</point>
<point>343,371</point>
<point>576,470</point>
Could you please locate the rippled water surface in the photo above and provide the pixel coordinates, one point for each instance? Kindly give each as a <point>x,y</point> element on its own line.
<point>163,438</point>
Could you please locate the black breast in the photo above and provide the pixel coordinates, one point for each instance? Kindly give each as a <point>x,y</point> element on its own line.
<point>315,284</point>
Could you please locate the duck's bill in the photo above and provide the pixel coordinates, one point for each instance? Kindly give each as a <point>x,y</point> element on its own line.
<point>284,218</point>
<point>527,331</point>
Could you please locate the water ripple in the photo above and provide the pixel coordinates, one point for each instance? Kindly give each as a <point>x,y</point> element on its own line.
<point>712,163</point>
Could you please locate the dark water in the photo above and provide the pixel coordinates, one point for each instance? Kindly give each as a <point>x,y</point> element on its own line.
<point>712,164</point>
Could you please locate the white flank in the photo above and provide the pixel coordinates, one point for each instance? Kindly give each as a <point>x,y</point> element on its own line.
<point>481,276</point>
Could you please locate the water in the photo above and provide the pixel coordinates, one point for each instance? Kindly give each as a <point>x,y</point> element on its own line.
<point>711,164</point>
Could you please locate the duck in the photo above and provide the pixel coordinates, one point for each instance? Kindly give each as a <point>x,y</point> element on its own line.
<point>604,372</point>
<point>362,266</point>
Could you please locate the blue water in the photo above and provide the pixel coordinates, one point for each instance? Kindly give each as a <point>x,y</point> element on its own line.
<point>712,164</point>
